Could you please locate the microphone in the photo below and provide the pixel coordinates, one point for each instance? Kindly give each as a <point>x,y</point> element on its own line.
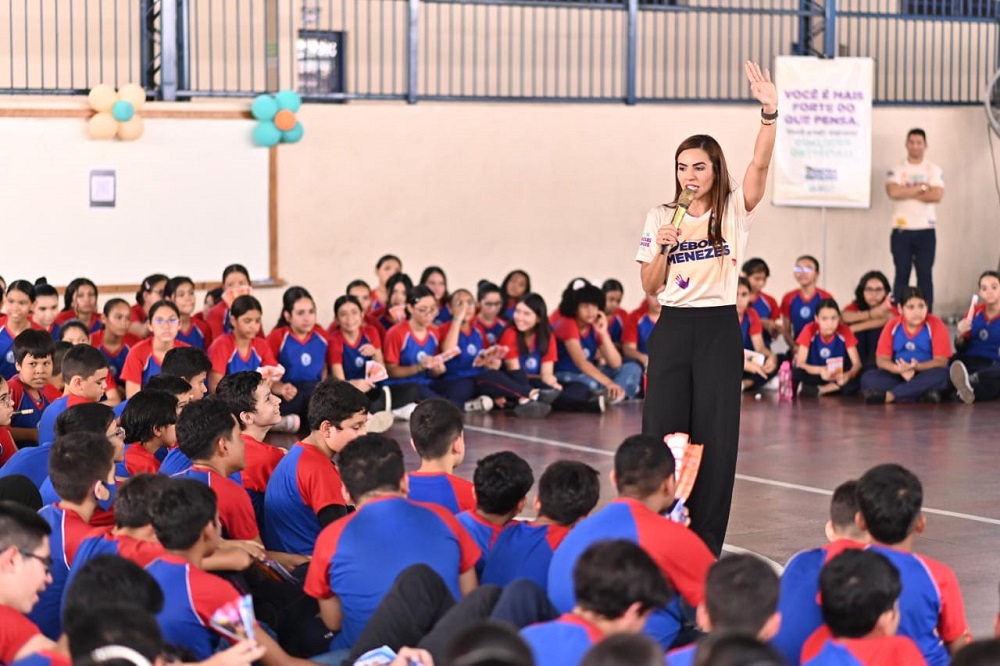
<point>685,199</point>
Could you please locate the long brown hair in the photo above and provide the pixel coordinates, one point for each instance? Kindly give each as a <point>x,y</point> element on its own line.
<point>720,189</point>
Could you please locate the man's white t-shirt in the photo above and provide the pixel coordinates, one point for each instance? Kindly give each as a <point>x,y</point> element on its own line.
<point>696,276</point>
<point>912,214</point>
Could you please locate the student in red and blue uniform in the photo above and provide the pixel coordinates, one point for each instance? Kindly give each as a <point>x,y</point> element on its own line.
<point>975,372</point>
<point>621,324</point>
<point>821,341</point>
<point>150,292</point>
<point>437,434</point>
<point>7,446</point>
<point>193,331</point>
<point>352,570</point>
<point>85,371</point>
<point>360,290</point>
<point>757,272</point>
<point>242,349</point>
<point>149,421</point>
<point>82,471</point>
<point>410,347</point>
<point>386,267</point>
<point>186,524</point>
<point>616,588</point>
<point>300,345</point>
<point>514,287</point>
<point>235,281</point>
<point>931,610</point>
<point>352,343</point>
<point>644,321</point>
<point>798,307</point>
<point>80,300</point>
<point>145,358</point>
<point>490,302</point>
<point>30,389</point>
<point>755,373</point>
<point>567,492</point>
<point>912,356</point>
<point>26,556</point>
<point>18,300</point>
<point>46,310</point>
<point>434,279</point>
<point>644,477</point>
<point>305,492</point>
<point>394,312</point>
<point>114,340</point>
<point>860,591</point>
<point>868,313</point>
<point>798,601</point>
<point>501,483</point>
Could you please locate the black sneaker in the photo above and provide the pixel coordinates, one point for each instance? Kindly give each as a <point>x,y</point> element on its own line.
<point>548,395</point>
<point>874,397</point>
<point>808,391</point>
<point>931,397</point>
<point>533,409</point>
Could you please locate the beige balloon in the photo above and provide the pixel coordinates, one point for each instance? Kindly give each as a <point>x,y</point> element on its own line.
<point>102,126</point>
<point>133,93</point>
<point>131,130</point>
<point>102,97</point>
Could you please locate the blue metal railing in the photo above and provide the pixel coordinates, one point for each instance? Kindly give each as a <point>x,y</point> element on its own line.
<point>926,51</point>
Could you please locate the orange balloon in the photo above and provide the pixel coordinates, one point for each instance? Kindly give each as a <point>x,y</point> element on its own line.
<point>284,120</point>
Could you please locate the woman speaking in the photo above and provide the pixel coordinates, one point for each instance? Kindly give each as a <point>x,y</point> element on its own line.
<point>691,259</point>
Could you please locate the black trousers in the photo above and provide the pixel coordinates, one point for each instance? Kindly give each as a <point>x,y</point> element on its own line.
<point>693,386</point>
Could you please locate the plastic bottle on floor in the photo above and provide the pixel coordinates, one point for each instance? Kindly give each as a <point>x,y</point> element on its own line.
<point>785,382</point>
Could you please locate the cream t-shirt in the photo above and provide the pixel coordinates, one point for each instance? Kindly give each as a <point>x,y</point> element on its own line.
<point>911,214</point>
<point>696,276</point>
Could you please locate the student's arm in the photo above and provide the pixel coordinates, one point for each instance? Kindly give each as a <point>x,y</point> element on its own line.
<point>450,340</point>
<point>575,351</point>
<point>801,355</point>
<point>274,654</point>
<point>548,375</point>
<point>936,362</point>
<point>288,560</point>
<point>227,559</point>
<point>845,377</point>
<point>786,332</point>
<point>330,513</point>
<point>606,345</point>
<point>467,582</point>
<point>241,654</point>
<point>337,371</point>
<point>770,358</point>
<point>888,364</point>
<point>512,364</point>
<point>331,612</point>
<point>214,377</point>
<point>631,350</point>
<point>131,388</point>
<point>403,371</point>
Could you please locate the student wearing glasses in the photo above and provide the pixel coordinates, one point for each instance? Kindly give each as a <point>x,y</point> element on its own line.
<point>146,357</point>
<point>868,313</point>
<point>798,307</point>
<point>490,301</point>
<point>25,572</point>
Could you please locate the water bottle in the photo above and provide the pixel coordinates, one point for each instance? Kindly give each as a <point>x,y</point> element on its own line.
<point>785,382</point>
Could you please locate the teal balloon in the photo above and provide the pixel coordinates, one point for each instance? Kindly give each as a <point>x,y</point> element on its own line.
<point>123,111</point>
<point>293,135</point>
<point>264,107</point>
<point>266,134</point>
<point>288,99</point>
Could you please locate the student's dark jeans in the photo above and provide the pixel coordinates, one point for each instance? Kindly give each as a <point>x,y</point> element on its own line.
<point>914,249</point>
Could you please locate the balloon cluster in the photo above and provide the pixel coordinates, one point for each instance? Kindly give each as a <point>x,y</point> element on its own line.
<point>116,112</point>
<point>276,114</point>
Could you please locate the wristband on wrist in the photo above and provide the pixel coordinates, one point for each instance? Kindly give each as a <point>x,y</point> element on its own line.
<point>768,116</point>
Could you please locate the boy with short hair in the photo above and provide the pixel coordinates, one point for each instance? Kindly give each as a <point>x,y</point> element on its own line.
<point>304,494</point>
<point>82,471</point>
<point>175,386</point>
<point>437,435</point>
<point>190,364</point>
<point>617,586</point>
<point>933,614</point>
<point>352,569</point>
<point>801,614</point>
<point>30,388</point>
<point>57,358</point>
<point>860,591</point>
<point>741,596</point>
<point>798,307</point>
<point>756,271</point>
<point>85,371</point>
<point>149,421</point>
<point>567,492</point>
<point>24,572</point>
<point>502,481</point>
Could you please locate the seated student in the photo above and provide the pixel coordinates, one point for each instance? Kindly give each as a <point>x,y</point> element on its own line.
<point>410,348</point>
<point>7,446</point>
<point>975,372</point>
<point>212,298</point>
<point>394,311</point>
<point>57,379</point>
<point>299,344</point>
<point>25,561</point>
<point>797,603</point>
<point>616,588</point>
<point>820,342</point>
<point>644,477</point>
<point>85,371</point>
<point>190,364</point>
<point>731,649</point>
<point>515,286</point>
<point>170,457</point>
<point>387,266</point>
<point>74,332</point>
<point>192,330</point>
<point>567,492</point>
<point>437,435</point>
<point>304,494</point>
<point>82,471</point>
<point>351,572</point>
<point>248,395</point>
<point>150,292</point>
<point>625,650</point>
<point>145,358</point>
<point>434,279</point>
<point>980,653</point>
<point>360,290</point>
<point>43,316</point>
<point>860,592</point>
<point>501,483</point>
<point>621,326</point>
<point>755,373</point>
<point>235,282</point>
<point>490,306</point>
<point>114,340</point>
<point>912,356</point>
<point>581,335</point>
<point>19,299</point>
<point>757,272</point>
<point>868,313</point>
<point>741,595</point>
<point>149,421</point>
<point>80,300</point>
<point>644,319</point>
<point>185,519</point>
<point>932,613</point>
<point>798,307</point>
<point>30,389</point>
<point>117,634</point>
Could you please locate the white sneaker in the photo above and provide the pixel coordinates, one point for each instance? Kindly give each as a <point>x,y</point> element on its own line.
<point>288,423</point>
<point>482,403</point>
<point>771,385</point>
<point>388,398</point>
<point>959,376</point>
<point>403,413</point>
<point>380,421</point>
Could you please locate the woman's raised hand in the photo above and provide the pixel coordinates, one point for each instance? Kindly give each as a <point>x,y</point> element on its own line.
<point>761,86</point>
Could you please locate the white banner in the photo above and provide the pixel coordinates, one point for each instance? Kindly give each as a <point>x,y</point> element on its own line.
<point>823,151</point>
